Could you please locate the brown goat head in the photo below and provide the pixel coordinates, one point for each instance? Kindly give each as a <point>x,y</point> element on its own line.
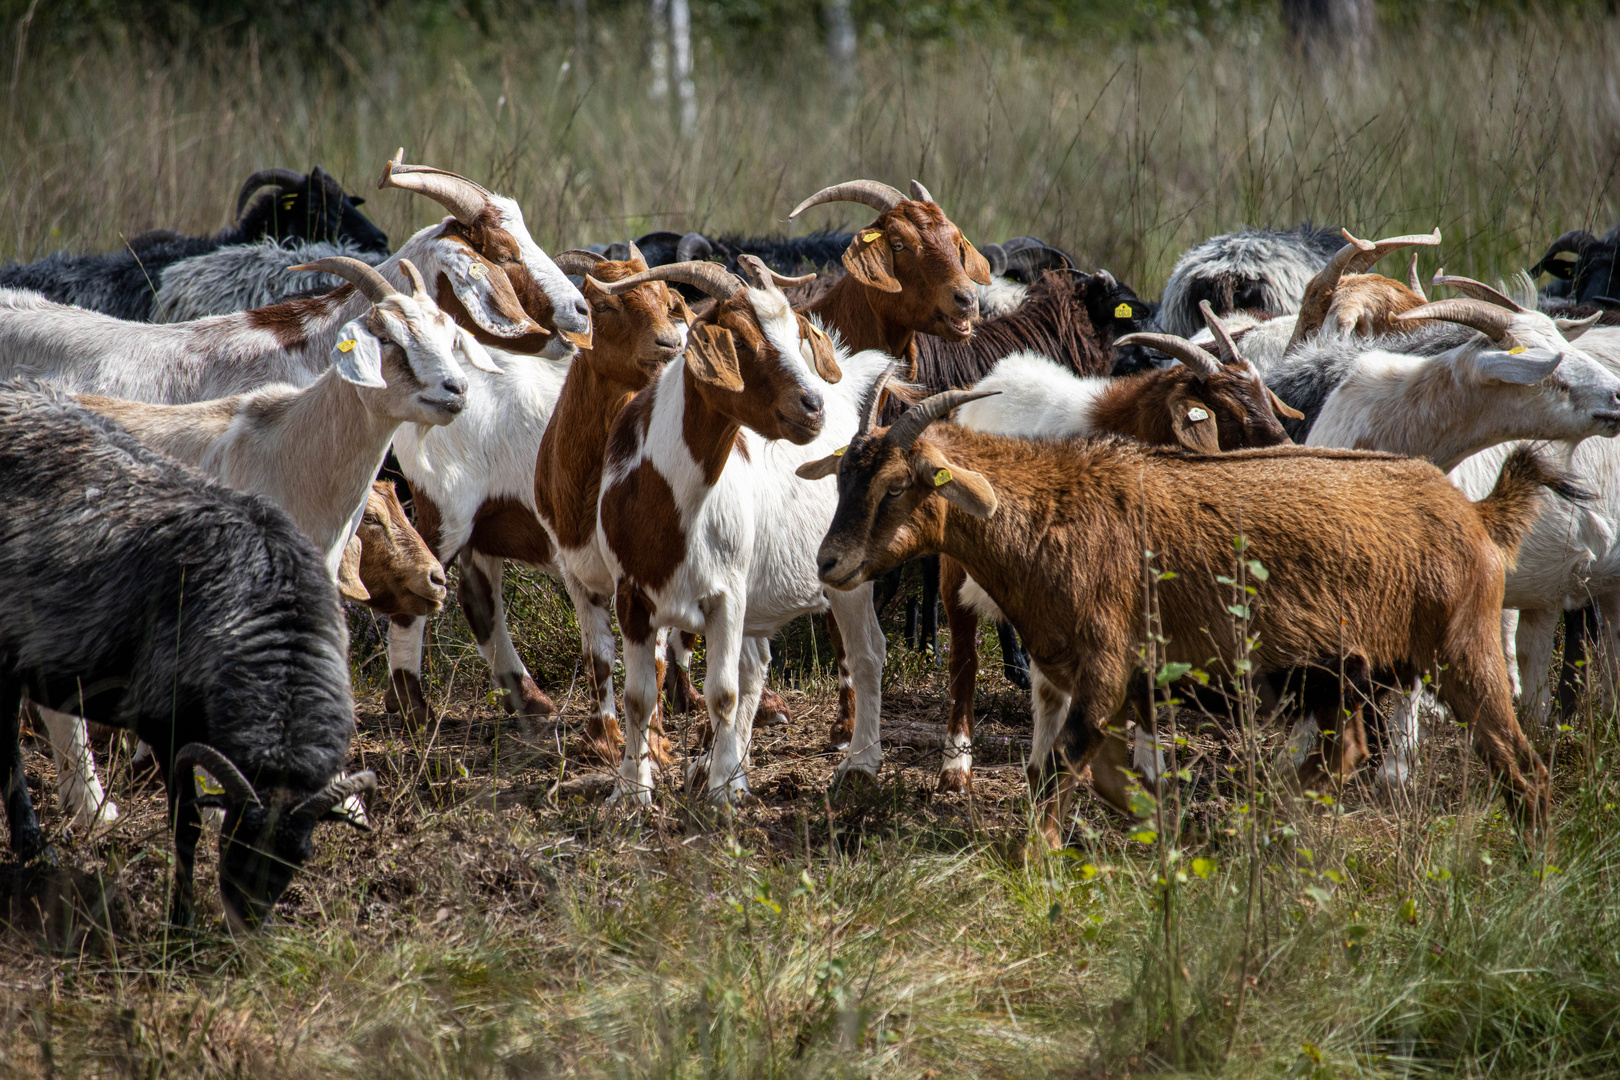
<point>1344,293</point>
<point>918,268</point>
<point>1199,405</point>
<point>637,331</point>
<point>397,573</point>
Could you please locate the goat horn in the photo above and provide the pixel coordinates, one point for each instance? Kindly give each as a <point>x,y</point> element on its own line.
<point>920,193</point>
<point>693,247</point>
<point>875,406</point>
<point>577,261</point>
<point>372,285</point>
<point>763,277</point>
<point>1488,319</point>
<point>1478,290</point>
<point>464,198</point>
<point>635,253</point>
<point>414,276</point>
<point>1193,356</point>
<point>1224,342</point>
<point>282,178</point>
<point>904,431</point>
<point>338,789</point>
<point>1414,282</point>
<point>712,278</point>
<point>236,786</point>
<point>879,197</point>
<point>1360,264</point>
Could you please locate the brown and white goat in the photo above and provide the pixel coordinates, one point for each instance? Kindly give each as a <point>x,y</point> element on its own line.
<point>1368,555</point>
<point>638,331</point>
<point>1198,405</point>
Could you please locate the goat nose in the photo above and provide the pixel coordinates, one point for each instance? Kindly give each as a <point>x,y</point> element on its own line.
<point>966,299</point>
<point>437,577</point>
<point>825,565</point>
<point>670,341</point>
<point>810,400</point>
<point>582,308</point>
<point>455,386</point>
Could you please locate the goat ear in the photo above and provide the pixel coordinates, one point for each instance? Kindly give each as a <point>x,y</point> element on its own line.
<point>486,292</point>
<point>1522,368</point>
<point>977,267</point>
<point>820,468</point>
<point>813,338</point>
<point>1193,424</point>
<point>964,489</point>
<point>1574,328</point>
<point>472,350</point>
<point>869,260</point>
<point>358,355</point>
<point>349,584</point>
<point>711,355</point>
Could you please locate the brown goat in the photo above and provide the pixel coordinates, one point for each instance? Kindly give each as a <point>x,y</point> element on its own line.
<point>397,571</point>
<point>1345,296</point>
<point>1368,554</point>
<point>1197,405</point>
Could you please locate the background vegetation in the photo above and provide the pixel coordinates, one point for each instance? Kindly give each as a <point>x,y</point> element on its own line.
<point>491,928</point>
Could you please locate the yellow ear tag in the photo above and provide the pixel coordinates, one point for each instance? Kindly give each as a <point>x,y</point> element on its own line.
<point>868,237</point>
<point>1123,311</point>
<point>477,271</point>
<point>1516,350</point>
<point>207,785</point>
<point>287,201</point>
<point>347,346</point>
<point>942,478</point>
<point>840,451</point>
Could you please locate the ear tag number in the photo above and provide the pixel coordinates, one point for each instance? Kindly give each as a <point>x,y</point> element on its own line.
<point>347,346</point>
<point>840,451</point>
<point>1123,311</point>
<point>478,271</point>
<point>1196,415</point>
<point>942,478</point>
<point>1516,350</point>
<point>869,237</point>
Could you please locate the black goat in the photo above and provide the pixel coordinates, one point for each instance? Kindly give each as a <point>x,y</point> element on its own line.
<point>145,597</point>
<point>124,283</point>
<point>1583,270</point>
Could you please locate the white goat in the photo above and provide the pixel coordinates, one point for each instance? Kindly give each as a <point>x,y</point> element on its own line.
<point>705,527</point>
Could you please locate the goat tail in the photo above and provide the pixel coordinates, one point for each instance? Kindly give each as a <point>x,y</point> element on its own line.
<point>1515,502</point>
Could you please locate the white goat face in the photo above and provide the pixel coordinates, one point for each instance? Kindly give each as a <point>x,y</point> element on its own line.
<point>1577,396</point>
<point>571,313</point>
<point>404,354</point>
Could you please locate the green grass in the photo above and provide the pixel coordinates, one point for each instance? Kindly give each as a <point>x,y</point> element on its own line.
<point>885,933</point>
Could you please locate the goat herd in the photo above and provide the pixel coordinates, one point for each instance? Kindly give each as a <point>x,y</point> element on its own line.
<point>660,424</point>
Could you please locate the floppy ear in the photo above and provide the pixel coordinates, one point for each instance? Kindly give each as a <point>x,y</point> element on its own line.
<point>1193,423</point>
<point>711,355</point>
<point>486,292</point>
<point>975,264</point>
<point>869,260</point>
<point>1523,368</point>
<point>349,584</point>
<point>813,338</point>
<point>472,350</point>
<point>819,468</point>
<point>358,355</point>
<point>966,490</point>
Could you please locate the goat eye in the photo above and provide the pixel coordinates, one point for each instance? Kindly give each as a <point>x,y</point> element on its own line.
<point>897,245</point>
<point>896,490</point>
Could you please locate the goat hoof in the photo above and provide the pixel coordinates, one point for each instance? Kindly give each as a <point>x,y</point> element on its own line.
<point>854,781</point>
<point>603,743</point>
<point>773,710</point>
<point>954,780</point>
<point>842,733</point>
<point>527,699</point>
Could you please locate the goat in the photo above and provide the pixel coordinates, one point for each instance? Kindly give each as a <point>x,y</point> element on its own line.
<point>123,283</point>
<point>1198,405</point>
<point>704,528</point>
<point>151,599</point>
<point>247,276</point>
<point>1582,267</point>
<point>1368,554</point>
<point>1254,270</point>
<point>638,332</point>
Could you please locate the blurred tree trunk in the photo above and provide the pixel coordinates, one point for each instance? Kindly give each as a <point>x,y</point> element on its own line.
<point>680,32</point>
<point>658,60</point>
<point>841,43</point>
<point>1331,32</point>
<point>582,43</point>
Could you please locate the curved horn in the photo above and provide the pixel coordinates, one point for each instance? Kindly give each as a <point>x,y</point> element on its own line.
<point>577,261</point>
<point>282,178</point>
<point>904,431</point>
<point>372,285</point>
<point>1224,342</point>
<point>1414,282</point>
<point>879,197</point>
<point>1364,261</point>
<point>996,256</point>
<point>236,786</point>
<point>693,247</point>
<point>1560,257</point>
<point>338,789</point>
<point>1478,290</point>
<point>414,276</point>
<point>462,197</point>
<point>712,278</point>
<point>1488,319</point>
<point>1189,354</point>
<point>920,193</point>
<point>635,254</point>
<point>763,277</point>
<point>875,406</point>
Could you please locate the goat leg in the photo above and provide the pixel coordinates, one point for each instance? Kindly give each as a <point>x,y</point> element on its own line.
<point>27,839</point>
<point>956,766</point>
<point>1014,661</point>
<point>843,725</point>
